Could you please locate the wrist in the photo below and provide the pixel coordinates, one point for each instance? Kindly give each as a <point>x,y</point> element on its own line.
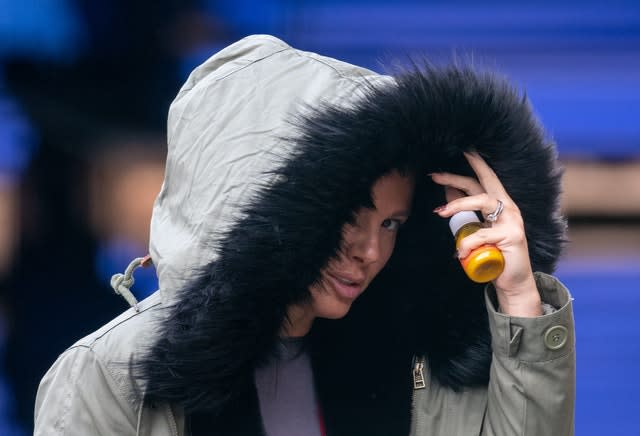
<point>523,301</point>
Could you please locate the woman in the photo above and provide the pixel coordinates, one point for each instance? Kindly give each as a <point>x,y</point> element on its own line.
<point>288,178</point>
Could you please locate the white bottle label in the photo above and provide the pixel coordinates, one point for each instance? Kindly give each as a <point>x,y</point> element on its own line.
<point>460,219</point>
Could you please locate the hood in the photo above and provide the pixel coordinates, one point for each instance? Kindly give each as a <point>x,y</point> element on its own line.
<point>271,150</point>
<point>226,134</point>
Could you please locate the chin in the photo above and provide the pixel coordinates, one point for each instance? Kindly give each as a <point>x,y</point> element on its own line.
<point>335,313</point>
<point>331,307</point>
<point>326,304</point>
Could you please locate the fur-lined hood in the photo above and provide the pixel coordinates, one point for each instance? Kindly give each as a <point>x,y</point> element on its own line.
<point>271,150</point>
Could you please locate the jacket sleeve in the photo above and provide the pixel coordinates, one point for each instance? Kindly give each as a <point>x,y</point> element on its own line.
<point>532,383</point>
<point>78,396</point>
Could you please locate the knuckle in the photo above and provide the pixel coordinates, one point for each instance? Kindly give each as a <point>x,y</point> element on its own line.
<point>514,213</point>
<point>481,235</point>
<point>518,236</point>
<point>471,242</point>
<point>512,207</point>
<point>464,245</point>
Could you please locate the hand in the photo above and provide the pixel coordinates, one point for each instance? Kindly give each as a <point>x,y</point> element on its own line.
<point>515,287</point>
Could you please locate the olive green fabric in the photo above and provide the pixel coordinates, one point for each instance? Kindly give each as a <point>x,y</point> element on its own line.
<point>88,390</point>
<point>531,392</point>
<point>532,385</point>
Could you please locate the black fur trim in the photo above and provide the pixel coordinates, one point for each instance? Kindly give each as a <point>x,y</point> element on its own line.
<point>227,322</point>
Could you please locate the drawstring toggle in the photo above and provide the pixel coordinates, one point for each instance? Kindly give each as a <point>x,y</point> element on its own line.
<point>121,283</point>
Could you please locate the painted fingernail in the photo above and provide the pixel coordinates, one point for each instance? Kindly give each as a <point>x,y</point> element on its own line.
<point>440,208</point>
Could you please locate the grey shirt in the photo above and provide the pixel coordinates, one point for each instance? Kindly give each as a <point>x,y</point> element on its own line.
<point>286,392</point>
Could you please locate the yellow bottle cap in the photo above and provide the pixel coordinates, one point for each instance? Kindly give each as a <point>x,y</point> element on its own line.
<point>484,264</point>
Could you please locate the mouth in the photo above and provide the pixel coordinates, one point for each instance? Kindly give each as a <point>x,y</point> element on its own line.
<point>346,286</point>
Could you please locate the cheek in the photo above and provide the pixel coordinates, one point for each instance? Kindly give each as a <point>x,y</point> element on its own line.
<point>387,244</point>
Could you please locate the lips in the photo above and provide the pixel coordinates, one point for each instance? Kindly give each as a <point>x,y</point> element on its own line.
<point>346,285</point>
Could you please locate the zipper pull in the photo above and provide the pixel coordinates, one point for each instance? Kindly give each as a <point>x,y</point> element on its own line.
<point>418,373</point>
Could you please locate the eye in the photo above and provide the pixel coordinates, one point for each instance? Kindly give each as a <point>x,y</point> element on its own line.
<point>392,224</point>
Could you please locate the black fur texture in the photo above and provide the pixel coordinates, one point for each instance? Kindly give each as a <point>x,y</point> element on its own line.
<point>228,320</point>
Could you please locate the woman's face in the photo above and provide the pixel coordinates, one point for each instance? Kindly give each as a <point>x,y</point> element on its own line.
<point>366,247</point>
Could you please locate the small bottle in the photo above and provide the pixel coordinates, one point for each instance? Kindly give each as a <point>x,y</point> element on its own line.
<point>486,262</point>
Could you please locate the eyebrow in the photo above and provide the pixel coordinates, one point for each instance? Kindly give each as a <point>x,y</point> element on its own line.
<point>401,213</point>
<point>397,214</point>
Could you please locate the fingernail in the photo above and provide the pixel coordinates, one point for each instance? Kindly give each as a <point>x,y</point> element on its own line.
<point>456,254</point>
<point>440,208</point>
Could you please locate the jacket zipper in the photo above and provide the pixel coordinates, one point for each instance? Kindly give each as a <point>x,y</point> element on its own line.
<point>417,372</point>
<point>172,421</point>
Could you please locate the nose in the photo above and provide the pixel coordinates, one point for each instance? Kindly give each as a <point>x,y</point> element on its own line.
<point>364,247</point>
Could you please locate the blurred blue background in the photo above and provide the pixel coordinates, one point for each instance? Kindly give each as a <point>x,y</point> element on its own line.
<point>84,90</point>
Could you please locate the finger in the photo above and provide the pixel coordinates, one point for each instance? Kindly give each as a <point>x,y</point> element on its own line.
<point>487,177</point>
<point>468,185</point>
<point>481,202</point>
<point>480,238</point>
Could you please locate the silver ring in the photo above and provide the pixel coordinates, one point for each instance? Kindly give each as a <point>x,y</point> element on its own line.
<point>493,216</point>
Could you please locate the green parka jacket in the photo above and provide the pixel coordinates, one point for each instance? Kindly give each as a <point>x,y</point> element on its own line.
<point>271,149</point>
